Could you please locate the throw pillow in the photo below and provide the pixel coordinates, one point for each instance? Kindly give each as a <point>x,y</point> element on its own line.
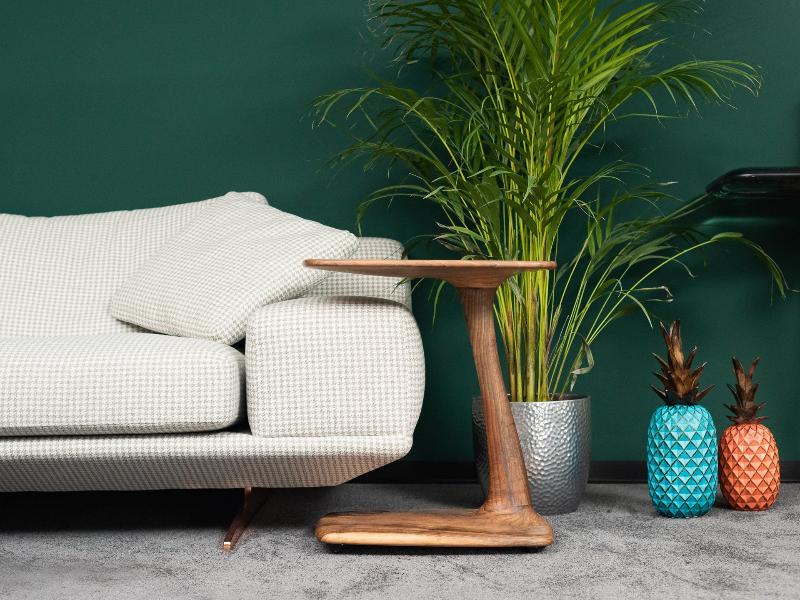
<point>233,258</point>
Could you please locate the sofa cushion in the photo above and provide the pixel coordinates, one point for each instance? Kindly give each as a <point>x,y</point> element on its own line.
<point>117,384</point>
<point>230,260</point>
<point>370,286</point>
<point>57,274</point>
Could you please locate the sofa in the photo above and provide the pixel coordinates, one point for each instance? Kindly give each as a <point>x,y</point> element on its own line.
<point>325,386</point>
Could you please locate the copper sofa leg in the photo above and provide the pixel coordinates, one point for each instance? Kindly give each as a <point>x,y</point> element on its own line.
<point>254,499</point>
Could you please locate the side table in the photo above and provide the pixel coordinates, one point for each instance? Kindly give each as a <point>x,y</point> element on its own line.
<point>506,518</point>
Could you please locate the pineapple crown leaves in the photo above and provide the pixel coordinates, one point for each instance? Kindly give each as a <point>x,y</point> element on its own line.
<point>745,409</point>
<point>680,382</point>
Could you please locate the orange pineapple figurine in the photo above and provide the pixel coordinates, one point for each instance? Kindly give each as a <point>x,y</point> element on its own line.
<point>749,473</point>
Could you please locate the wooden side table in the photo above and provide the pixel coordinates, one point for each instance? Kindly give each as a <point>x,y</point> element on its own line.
<point>506,518</point>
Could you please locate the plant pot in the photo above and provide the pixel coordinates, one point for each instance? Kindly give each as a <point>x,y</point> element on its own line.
<point>556,440</point>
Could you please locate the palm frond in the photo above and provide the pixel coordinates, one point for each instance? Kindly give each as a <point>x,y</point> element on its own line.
<point>524,88</point>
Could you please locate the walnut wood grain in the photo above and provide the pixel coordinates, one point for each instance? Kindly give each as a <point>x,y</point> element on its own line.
<point>506,517</point>
<point>507,490</point>
<point>447,528</point>
<point>459,273</point>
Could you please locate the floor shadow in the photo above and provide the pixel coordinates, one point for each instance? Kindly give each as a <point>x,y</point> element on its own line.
<point>86,511</point>
<point>132,510</point>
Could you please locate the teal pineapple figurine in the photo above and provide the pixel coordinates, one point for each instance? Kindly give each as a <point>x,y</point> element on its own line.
<point>681,438</point>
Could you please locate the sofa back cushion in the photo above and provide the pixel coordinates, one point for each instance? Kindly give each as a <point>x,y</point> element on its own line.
<point>369,286</point>
<point>57,274</point>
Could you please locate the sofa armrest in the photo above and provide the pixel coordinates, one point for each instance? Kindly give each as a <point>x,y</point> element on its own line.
<point>334,366</point>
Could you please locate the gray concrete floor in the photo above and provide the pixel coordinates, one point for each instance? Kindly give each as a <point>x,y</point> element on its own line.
<point>166,545</point>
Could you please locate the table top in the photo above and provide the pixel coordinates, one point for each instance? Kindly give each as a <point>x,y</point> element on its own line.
<point>460,273</point>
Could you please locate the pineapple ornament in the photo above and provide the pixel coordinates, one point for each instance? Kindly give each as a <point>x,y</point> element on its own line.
<point>750,475</point>
<point>681,439</point>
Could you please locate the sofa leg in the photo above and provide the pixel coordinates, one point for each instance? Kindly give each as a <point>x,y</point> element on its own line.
<point>254,499</point>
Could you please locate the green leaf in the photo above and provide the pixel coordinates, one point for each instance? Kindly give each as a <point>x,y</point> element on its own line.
<point>523,91</point>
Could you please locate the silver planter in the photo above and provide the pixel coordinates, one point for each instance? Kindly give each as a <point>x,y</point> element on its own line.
<point>556,439</point>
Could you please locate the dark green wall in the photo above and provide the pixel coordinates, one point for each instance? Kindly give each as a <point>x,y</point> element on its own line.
<point>110,105</point>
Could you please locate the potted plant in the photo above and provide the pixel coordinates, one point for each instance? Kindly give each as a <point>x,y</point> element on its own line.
<point>523,89</point>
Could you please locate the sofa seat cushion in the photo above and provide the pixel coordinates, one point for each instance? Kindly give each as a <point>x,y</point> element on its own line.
<point>125,383</point>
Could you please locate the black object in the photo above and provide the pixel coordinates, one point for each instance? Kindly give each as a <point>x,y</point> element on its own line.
<point>774,183</point>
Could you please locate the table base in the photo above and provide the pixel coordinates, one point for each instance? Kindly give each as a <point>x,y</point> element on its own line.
<point>468,528</point>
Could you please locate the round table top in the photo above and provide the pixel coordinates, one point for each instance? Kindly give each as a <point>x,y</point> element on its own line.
<point>460,273</point>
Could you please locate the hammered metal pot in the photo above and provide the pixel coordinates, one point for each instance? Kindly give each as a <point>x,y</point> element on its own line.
<point>556,439</point>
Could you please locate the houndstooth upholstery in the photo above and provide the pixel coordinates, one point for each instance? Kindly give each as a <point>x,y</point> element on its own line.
<point>117,384</point>
<point>348,284</point>
<point>57,274</point>
<point>232,259</point>
<point>211,460</point>
<point>330,366</point>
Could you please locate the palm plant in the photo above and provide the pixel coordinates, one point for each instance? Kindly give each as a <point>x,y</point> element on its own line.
<point>524,89</point>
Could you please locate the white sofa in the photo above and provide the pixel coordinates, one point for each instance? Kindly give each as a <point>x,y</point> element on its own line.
<point>326,386</point>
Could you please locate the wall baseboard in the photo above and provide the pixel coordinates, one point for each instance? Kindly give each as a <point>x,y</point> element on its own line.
<point>600,471</point>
